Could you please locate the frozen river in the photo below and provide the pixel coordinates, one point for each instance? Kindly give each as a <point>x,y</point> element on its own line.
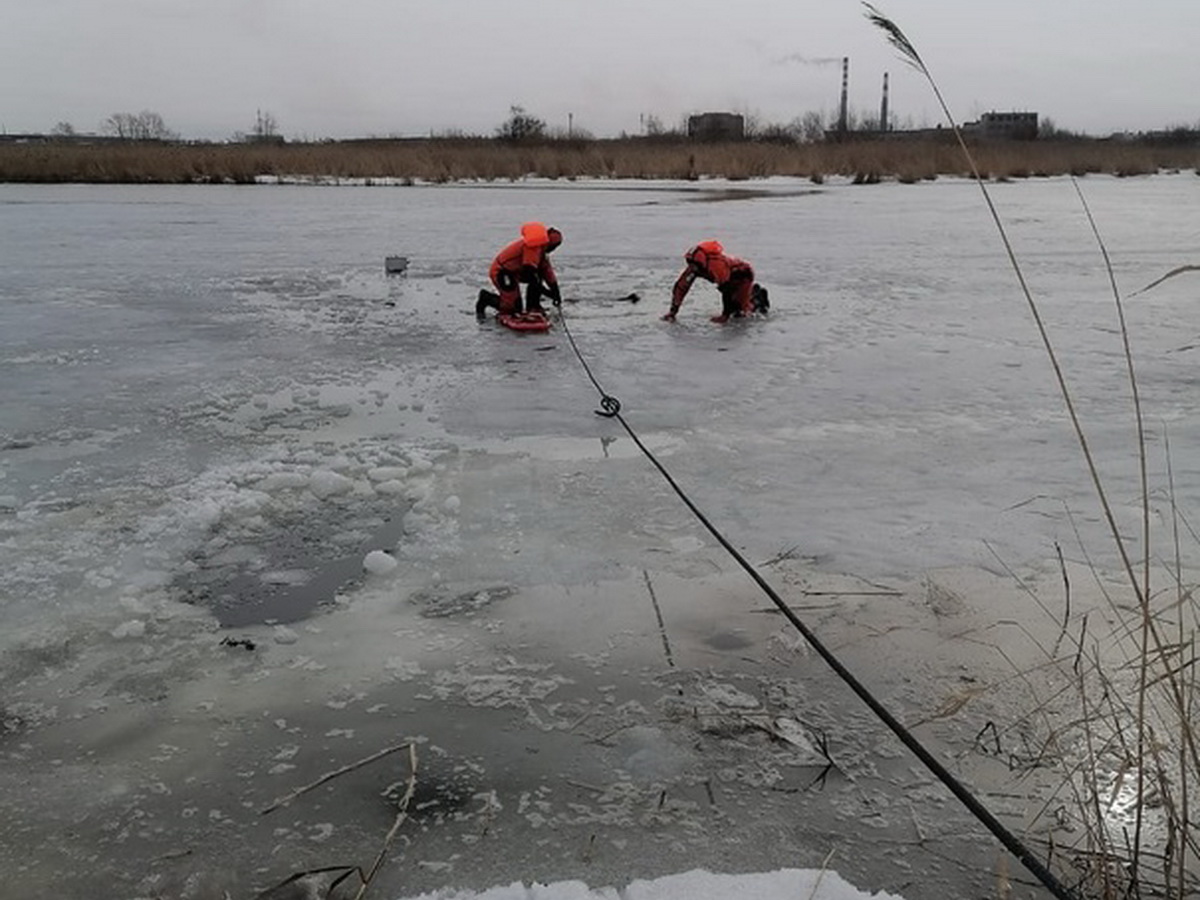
<point>216,405</point>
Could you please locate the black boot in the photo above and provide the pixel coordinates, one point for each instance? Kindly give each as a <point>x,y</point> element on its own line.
<point>729,304</point>
<point>533,298</point>
<point>486,299</point>
<point>762,303</point>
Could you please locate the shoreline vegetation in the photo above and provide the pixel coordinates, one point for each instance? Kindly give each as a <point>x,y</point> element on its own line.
<point>1145,745</point>
<point>444,160</point>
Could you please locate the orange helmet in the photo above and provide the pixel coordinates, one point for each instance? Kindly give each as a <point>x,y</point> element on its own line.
<point>534,234</point>
<point>700,254</point>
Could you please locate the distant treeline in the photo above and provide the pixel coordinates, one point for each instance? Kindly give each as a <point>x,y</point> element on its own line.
<point>866,158</point>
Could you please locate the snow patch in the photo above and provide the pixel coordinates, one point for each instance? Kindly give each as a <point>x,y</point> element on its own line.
<point>698,884</point>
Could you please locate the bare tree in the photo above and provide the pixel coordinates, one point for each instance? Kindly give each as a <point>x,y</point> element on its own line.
<point>811,127</point>
<point>144,126</point>
<point>266,130</point>
<point>752,124</point>
<point>63,130</point>
<point>153,128</point>
<point>775,133</point>
<point>521,126</point>
<point>119,125</point>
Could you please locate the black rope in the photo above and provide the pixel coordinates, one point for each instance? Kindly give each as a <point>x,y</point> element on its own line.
<point>610,406</point>
<point>1015,846</point>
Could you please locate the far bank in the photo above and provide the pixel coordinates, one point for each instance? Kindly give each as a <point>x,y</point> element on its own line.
<point>446,160</point>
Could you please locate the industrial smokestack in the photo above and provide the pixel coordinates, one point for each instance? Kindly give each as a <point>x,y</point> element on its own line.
<point>883,112</point>
<point>843,112</point>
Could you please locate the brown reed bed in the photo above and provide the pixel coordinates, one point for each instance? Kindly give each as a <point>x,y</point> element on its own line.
<point>444,160</point>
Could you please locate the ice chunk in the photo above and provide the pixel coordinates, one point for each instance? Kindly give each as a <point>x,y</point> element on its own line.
<point>728,696</point>
<point>278,481</point>
<point>135,605</point>
<point>377,562</point>
<point>134,628</point>
<point>325,484</point>
<point>387,473</point>
<point>390,488</point>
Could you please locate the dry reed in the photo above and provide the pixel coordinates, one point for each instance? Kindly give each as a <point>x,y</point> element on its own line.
<point>459,159</point>
<point>1136,686</point>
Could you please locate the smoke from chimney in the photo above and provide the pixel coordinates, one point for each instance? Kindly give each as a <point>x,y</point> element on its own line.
<point>803,60</point>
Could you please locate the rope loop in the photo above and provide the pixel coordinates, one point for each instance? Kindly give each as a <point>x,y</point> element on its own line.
<point>610,406</point>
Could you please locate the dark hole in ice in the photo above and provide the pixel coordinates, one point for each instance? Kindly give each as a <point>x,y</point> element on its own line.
<point>727,640</point>
<point>288,575</point>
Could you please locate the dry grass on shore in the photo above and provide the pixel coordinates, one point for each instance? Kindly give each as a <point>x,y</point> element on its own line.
<point>454,160</point>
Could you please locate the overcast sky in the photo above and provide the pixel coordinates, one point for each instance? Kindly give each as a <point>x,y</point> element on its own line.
<point>356,68</point>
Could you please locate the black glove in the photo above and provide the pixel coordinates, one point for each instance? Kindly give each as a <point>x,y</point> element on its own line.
<point>555,295</point>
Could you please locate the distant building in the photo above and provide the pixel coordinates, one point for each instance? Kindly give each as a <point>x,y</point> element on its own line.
<point>1004,126</point>
<point>716,126</point>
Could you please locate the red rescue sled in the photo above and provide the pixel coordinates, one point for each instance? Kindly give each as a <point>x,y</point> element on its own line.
<point>528,321</point>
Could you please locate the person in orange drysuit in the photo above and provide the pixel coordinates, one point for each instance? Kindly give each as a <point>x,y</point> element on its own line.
<point>734,278</point>
<point>525,261</point>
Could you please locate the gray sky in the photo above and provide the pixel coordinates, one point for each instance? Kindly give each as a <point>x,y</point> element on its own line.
<point>357,68</point>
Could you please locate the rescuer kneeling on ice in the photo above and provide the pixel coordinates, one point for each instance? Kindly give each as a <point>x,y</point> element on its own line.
<point>734,278</point>
<point>525,261</point>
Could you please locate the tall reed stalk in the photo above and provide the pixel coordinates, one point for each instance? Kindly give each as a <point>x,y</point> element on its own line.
<point>1118,871</point>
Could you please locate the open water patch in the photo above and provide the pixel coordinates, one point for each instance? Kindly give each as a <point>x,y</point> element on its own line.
<point>293,571</point>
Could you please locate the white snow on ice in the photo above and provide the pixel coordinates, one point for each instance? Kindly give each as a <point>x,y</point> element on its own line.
<point>785,884</point>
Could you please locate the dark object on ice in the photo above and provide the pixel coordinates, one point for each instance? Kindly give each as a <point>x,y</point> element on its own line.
<point>237,642</point>
<point>762,303</point>
<point>486,300</point>
<point>395,265</point>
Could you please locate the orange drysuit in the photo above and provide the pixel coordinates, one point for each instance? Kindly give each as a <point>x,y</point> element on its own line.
<point>526,261</point>
<point>733,277</point>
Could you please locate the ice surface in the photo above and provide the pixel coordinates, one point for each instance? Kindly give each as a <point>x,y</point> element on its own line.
<point>694,885</point>
<point>264,510</point>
